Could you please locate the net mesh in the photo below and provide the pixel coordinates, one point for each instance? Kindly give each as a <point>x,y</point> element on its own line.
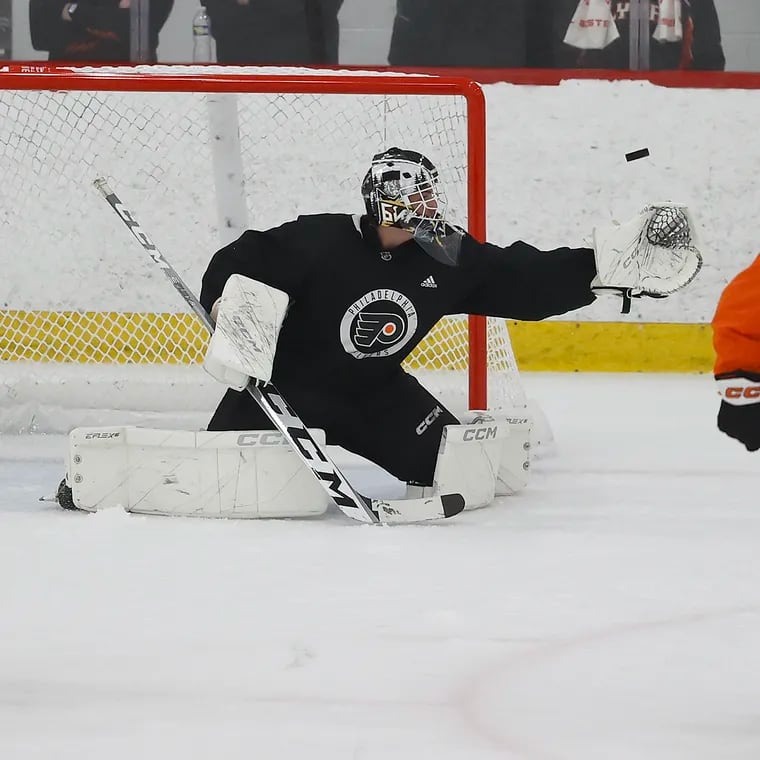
<point>669,227</point>
<point>670,258</point>
<point>78,291</point>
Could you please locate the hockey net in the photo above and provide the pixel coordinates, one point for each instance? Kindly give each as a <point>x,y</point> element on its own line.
<point>89,331</point>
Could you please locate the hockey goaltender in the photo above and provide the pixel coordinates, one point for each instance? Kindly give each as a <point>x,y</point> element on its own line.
<point>326,308</point>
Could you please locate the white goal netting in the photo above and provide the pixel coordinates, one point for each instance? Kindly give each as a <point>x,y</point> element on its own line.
<point>90,332</point>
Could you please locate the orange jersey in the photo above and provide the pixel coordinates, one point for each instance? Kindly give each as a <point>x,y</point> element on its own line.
<point>736,324</point>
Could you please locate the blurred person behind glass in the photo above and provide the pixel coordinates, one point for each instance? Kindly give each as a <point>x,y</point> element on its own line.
<point>595,34</point>
<point>91,30</point>
<point>291,32</point>
<point>466,33</point>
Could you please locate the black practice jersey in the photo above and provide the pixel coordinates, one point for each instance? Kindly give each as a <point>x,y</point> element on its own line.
<point>357,311</point>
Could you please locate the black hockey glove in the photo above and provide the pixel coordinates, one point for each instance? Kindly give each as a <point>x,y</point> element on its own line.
<point>739,413</point>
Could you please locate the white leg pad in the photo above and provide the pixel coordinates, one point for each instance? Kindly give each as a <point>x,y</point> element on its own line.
<point>514,466</point>
<point>482,460</point>
<point>468,462</point>
<point>236,474</point>
<point>520,431</point>
<point>542,443</point>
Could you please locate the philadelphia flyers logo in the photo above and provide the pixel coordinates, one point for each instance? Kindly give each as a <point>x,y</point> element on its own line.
<point>384,329</point>
<point>379,324</point>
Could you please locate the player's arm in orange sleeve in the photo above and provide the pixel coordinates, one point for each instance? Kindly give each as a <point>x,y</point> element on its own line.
<point>736,340</point>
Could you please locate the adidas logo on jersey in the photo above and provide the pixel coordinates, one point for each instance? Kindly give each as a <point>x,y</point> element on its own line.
<point>429,282</point>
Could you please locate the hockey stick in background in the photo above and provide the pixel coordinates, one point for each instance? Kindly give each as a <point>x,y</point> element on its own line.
<point>348,500</point>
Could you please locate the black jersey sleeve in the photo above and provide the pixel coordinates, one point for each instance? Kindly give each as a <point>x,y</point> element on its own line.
<point>264,256</point>
<point>522,282</point>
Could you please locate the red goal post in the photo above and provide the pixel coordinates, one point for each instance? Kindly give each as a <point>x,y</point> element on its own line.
<point>260,147</point>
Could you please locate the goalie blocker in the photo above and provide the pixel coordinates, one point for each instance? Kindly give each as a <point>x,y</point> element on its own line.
<point>256,474</point>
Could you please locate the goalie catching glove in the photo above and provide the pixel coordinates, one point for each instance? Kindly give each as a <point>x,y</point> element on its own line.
<point>654,254</point>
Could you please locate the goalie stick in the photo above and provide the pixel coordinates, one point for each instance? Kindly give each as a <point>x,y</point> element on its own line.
<point>287,421</point>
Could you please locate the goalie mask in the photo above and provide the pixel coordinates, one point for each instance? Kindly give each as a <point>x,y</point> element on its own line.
<point>401,190</point>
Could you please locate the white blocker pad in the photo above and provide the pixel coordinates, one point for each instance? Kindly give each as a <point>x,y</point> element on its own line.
<point>236,474</point>
<point>655,252</point>
<point>248,320</point>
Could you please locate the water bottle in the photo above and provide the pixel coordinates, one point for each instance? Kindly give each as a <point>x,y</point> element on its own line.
<point>201,36</point>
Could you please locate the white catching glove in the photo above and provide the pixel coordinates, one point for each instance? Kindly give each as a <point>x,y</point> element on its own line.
<point>654,254</point>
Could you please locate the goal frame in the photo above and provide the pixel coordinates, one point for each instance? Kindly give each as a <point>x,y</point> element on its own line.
<point>188,79</point>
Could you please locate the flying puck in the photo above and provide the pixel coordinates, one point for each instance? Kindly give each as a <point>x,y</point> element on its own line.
<point>636,154</point>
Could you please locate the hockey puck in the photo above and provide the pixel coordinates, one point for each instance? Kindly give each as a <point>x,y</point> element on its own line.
<point>636,154</point>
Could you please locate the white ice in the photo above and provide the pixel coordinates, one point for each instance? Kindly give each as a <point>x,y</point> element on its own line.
<point>611,611</point>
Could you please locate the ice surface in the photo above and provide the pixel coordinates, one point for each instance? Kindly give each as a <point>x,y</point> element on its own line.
<point>610,611</point>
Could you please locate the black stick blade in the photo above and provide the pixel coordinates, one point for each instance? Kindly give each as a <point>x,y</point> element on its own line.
<point>453,504</point>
